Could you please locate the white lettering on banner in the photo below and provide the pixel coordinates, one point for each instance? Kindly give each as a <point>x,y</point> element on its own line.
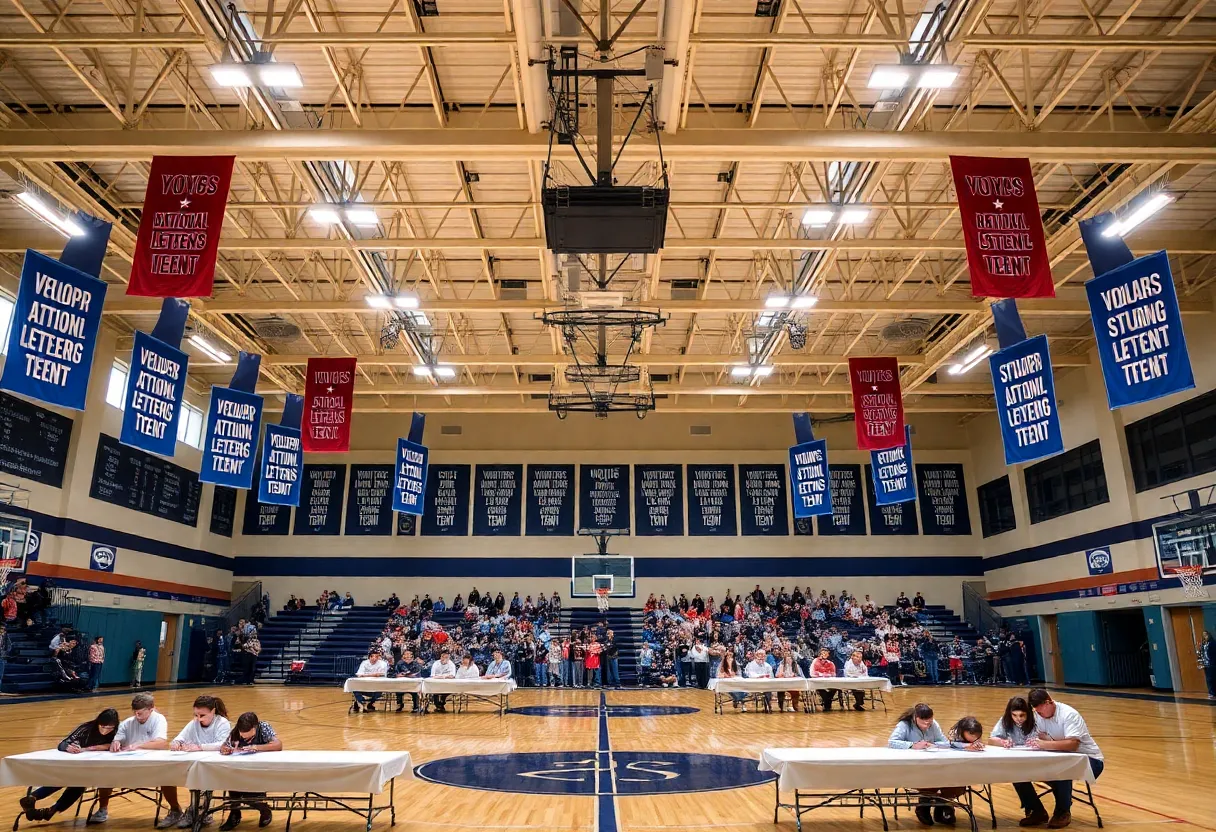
<point>1140,335</point>
<point>497,488</point>
<point>710,489</point>
<point>550,489</point>
<point>370,492</point>
<point>1028,406</point>
<point>762,488</point>
<point>943,489</point>
<point>844,487</point>
<point>605,496</point>
<point>658,490</point>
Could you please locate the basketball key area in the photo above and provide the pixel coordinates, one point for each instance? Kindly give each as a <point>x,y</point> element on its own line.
<point>653,760</point>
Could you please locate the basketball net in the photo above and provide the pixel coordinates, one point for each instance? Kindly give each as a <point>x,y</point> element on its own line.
<point>601,599</point>
<point>1192,581</point>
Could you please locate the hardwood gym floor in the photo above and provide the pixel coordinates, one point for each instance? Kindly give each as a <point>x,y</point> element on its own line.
<point>1160,757</point>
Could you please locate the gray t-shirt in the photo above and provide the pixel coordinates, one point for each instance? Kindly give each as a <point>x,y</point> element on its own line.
<point>132,732</point>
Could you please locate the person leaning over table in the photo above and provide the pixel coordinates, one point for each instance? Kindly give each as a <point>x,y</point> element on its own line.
<point>372,667</point>
<point>1057,727</point>
<point>917,730</point>
<point>1015,727</point>
<point>94,735</point>
<point>249,736</point>
<point>407,668</point>
<point>443,668</point>
<point>205,732</point>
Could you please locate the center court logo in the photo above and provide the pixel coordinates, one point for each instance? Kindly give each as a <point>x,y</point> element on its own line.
<point>577,772</point>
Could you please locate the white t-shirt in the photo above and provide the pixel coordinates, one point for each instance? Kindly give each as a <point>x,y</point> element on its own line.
<point>209,738</point>
<point>470,672</point>
<point>370,668</point>
<point>698,653</point>
<point>853,671</point>
<point>1065,724</point>
<point>758,670</point>
<point>132,732</point>
<point>443,670</point>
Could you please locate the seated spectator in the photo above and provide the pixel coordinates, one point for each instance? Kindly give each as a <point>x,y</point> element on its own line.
<point>440,606</point>
<point>442,668</point>
<point>665,670</point>
<point>822,668</point>
<point>407,668</point>
<point>902,602</point>
<point>348,602</point>
<point>730,670</point>
<point>788,669</point>
<point>918,603</point>
<point>458,603</point>
<point>290,606</point>
<point>855,668</point>
<point>467,669</point>
<point>373,666</point>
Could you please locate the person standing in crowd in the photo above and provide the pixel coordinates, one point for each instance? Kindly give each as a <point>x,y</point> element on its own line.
<point>94,735</point>
<point>699,657</point>
<point>137,664</point>
<point>443,668</point>
<point>97,659</point>
<point>1057,727</point>
<point>610,658</point>
<point>578,657</point>
<point>594,651</point>
<point>374,666</point>
<point>249,736</point>
<point>555,663</point>
<point>540,657</point>
<point>6,650</point>
<point>931,656</point>
<point>223,654</point>
<point>1207,658</point>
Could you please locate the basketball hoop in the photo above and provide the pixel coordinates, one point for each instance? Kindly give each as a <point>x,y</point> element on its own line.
<point>601,599</point>
<point>1192,581</point>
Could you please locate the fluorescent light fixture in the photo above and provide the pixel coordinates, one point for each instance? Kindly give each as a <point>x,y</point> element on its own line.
<point>889,77</point>
<point>379,301</point>
<point>740,371</point>
<point>440,371</point>
<point>854,214</point>
<point>34,203</point>
<point>803,302</point>
<point>422,370</point>
<point>279,75</point>
<point>231,75</point>
<point>406,301</point>
<point>444,371</point>
<point>776,302</point>
<point>362,217</point>
<point>205,347</point>
<point>324,214</point>
<point>816,217</point>
<point>937,77</point>
<point>1139,214</point>
<point>763,371</point>
<point>972,359</point>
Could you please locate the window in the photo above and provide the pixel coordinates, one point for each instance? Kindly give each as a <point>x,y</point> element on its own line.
<point>6,319</point>
<point>116,393</point>
<point>190,426</point>
<point>996,507</point>
<point>1173,444</point>
<point>1068,482</point>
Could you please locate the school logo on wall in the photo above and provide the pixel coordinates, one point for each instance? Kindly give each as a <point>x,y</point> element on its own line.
<point>102,558</point>
<point>576,772</point>
<point>1099,561</point>
<point>32,543</point>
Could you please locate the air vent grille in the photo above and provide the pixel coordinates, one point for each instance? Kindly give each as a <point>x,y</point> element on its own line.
<point>451,430</point>
<point>699,430</point>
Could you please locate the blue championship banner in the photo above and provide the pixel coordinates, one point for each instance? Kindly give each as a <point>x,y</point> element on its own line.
<point>320,510</point>
<point>498,498</point>
<point>809,479</point>
<point>447,501</point>
<point>156,384</point>
<point>1139,332</point>
<point>890,519</point>
<point>893,472</point>
<point>943,499</point>
<point>711,501</point>
<point>762,501</point>
<point>409,479</point>
<point>1026,401</point>
<point>848,515</point>
<point>53,332</point>
<point>282,460</point>
<point>658,499</point>
<point>549,503</point>
<point>233,419</point>
<point>603,497</point>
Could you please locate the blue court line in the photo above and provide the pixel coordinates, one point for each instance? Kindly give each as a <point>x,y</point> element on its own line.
<point>19,699</point>
<point>1145,697</point>
<point>605,793</point>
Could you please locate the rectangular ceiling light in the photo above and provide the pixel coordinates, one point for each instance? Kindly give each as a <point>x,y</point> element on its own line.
<point>854,214</point>
<point>815,217</point>
<point>763,371</point>
<point>231,75</point>
<point>324,214</point>
<point>740,371</point>
<point>205,347</point>
<point>39,208</point>
<point>1137,215</point>
<point>362,217</point>
<point>378,301</point>
<point>444,371</point>
<point>803,302</point>
<point>889,77</point>
<point>285,76</point>
<point>422,370</point>
<point>937,76</point>
<point>776,302</point>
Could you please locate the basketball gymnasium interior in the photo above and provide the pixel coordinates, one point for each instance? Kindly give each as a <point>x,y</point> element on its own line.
<point>604,304</point>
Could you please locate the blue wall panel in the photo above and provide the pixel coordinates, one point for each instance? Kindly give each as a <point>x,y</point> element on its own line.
<point>121,629</point>
<point>1154,622</point>
<point>1082,648</point>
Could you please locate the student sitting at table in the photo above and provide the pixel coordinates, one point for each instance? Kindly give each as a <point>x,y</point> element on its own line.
<point>788,669</point>
<point>1057,727</point>
<point>145,728</point>
<point>407,668</point>
<point>499,668</point>
<point>759,668</point>
<point>373,666</point>
<point>822,668</point>
<point>855,668</point>
<point>249,736</point>
<point>206,732</point>
<point>467,669</point>
<point>730,670</point>
<point>1016,725</point>
<point>442,668</point>
<point>918,730</point>
<point>94,735</point>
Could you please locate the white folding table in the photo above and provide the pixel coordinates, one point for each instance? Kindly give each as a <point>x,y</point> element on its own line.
<point>755,689</point>
<point>384,684</point>
<point>874,687</point>
<point>494,692</point>
<point>887,777</point>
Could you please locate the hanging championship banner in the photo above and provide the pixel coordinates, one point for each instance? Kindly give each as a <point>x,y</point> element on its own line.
<point>53,332</point>
<point>87,251</point>
<point>409,477</point>
<point>233,419</point>
<point>329,396</point>
<point>893,473</point>
<point>877,402</point>
<point>282,458</point>
<point>1139,332</point>
<point>1002,228</point>
<point>179,230</point>
<point>1026,401</point>
<point>156,383</point>
<point>809,471</point>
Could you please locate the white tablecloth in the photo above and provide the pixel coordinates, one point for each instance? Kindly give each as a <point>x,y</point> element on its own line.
<point>474,687</point>
<point>101,769</point>
<point>843,769</point>
<point>382,684</point>
<point>850,683</point>
<point>739,685</point>
<point>327,772</point>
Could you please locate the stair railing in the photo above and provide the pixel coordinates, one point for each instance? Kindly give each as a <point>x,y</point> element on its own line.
<point>977,611</point>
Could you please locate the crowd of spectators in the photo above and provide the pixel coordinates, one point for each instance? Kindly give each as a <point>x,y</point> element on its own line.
<point>685,640</point>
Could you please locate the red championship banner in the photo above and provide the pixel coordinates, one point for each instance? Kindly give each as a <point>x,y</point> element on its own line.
<point>877,403</point>
<point>329,395</point>
<point>1006,250</point>
<point>179,232</point>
